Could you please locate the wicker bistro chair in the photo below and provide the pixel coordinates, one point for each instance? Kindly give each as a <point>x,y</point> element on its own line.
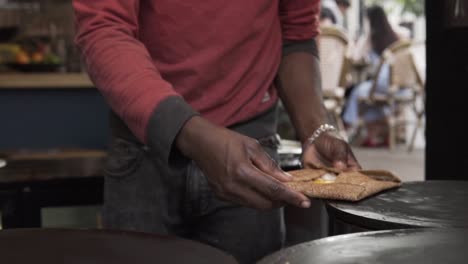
<point>404,74</point>
<point>333,47</point>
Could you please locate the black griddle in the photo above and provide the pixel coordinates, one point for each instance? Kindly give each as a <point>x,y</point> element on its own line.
<point>406,246</point>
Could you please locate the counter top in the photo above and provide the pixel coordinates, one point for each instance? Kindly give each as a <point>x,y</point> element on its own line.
<point>45,81</point>
<point>54,164</point>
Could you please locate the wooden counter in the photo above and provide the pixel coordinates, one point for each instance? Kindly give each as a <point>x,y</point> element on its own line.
<point>45,81</point>
<point>54,164</point>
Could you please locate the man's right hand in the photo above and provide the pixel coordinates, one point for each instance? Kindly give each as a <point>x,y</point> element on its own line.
<point>237,167</point>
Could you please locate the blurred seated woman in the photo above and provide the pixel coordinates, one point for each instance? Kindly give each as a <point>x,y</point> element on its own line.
<point>370,48</point>
<point>327,18</point>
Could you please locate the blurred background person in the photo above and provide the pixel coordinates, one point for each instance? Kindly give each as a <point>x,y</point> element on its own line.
<point>338,8</point>
<point>380,35</point>
<point>327,18</point>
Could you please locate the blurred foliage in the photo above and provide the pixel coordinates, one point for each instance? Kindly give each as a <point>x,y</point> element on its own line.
<point>415,7</point>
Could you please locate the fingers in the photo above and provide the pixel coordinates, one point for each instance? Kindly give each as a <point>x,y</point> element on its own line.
<point>265,163</point>
<point>253,199</point>
<point>345,159</point>
<point>339,164</point>
<point>340,154</point>
<point>353,164</point>
<point>311,159</point>
<point>245,195</point>
<point>272,189</point>
<point>336,153</point>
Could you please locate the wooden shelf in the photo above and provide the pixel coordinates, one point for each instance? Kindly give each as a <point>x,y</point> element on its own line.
<point>24,166</point>
<point>45,81</point>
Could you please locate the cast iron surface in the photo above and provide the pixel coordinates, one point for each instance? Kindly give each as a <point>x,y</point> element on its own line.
<point>57,246</point>
<point>412,246</point>
<point>415,204</point>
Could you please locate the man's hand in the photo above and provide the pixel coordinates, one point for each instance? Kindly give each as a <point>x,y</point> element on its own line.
<point>328,150</point>
<point>236,166</point>
<point>299,87</point>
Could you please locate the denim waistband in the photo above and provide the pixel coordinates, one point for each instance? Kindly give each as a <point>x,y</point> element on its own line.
<point>262,127</point>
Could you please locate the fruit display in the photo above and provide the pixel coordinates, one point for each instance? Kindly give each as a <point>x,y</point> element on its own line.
<point>8,52</point>
<point>23,57</point>
<point>31,58</point>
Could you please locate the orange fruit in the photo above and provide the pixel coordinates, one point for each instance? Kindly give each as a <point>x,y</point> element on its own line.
<point>22,58</point>
<point>37,57</point>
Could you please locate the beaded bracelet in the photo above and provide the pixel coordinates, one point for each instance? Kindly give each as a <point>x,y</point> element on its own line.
<point>323,128</point>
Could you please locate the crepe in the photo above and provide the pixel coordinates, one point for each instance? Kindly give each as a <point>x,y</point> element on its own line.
<point>330,183</point>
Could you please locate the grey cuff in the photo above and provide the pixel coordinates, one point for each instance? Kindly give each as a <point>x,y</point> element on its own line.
<point>163,127</point>
<point>309,46</point>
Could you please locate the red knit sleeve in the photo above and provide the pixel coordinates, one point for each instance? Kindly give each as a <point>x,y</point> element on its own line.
<point>117,62</point>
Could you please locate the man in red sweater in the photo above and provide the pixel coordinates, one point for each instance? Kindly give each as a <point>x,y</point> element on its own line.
<point>193,86</point>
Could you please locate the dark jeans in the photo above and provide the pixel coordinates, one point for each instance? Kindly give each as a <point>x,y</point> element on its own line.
<point>143,194</point>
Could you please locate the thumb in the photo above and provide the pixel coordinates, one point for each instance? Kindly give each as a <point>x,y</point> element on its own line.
<point>353,164</point>
<point>340,157</point>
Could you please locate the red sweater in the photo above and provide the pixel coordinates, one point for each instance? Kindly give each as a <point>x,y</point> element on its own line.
<point>220,56</point>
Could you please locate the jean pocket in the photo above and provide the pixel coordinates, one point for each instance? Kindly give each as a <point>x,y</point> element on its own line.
<point>124,159</point>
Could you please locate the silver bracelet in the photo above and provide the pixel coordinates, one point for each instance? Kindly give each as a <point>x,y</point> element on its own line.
<point>323,128</point>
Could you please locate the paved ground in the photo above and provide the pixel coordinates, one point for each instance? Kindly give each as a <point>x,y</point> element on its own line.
<point>408,166</point>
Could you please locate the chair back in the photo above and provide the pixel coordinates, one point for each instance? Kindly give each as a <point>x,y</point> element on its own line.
<point>333,45</point>
<point>406,61</point>
<point>403,71</point>
<point>418,51</point>
<point>406,70</point>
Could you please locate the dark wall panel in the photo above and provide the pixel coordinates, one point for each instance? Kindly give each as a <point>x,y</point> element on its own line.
<point>447,102</point>
<point>37,119</point>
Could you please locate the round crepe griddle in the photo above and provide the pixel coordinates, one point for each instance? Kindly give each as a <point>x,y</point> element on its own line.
<point>408,246</point>
<point>58,246</point>
<point>414,204</point>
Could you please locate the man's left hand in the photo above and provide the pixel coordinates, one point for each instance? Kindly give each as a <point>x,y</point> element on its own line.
<point>329,150</point>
